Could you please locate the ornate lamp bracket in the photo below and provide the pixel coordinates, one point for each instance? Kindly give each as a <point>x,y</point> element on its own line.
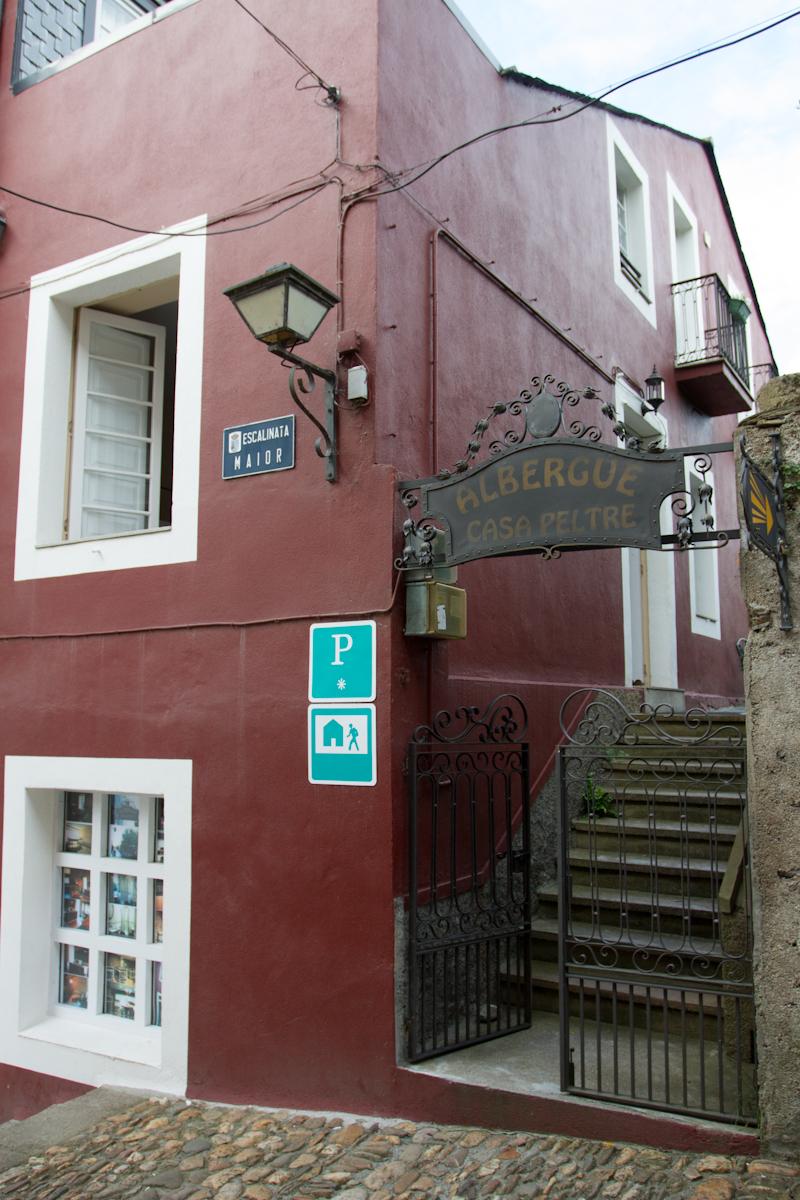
<point>303,381</point>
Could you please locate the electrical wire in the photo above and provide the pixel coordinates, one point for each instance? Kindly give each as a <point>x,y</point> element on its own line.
<point>375,190</point>
<point>548,118</point>
<point>306,195</point>
<point>332,91</point>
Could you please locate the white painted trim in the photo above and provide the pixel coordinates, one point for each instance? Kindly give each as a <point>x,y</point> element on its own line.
<point>33,1034</point>
<point>55,296</point>
<point>616,142</point>
<point>705,626</point>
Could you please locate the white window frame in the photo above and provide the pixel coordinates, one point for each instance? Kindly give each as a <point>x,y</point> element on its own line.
<point>55,296</point>
<point>706,623</point>
<point>36,1033</point>
<point>97,31</point>
<point>688,305</point>
<point>637,205</point>
<point>87,318</point>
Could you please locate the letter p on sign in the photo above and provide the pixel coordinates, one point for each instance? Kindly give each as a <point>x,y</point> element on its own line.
<point>342,643</point>
<point>341,662</point>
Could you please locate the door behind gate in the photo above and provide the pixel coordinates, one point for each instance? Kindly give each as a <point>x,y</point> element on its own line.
<point>469,879</point>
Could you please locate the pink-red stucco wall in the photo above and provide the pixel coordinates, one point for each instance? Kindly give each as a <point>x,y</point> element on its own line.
<point>294,885</point>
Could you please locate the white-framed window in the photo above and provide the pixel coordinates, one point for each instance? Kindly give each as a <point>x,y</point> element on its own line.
<point>685,262</point>
<point>114,354</point>
<point>703,562</point>
<point>117,417</point>
<point>629,192</point>
<point>95,919</point>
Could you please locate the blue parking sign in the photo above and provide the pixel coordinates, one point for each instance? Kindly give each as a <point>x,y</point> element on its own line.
<point>341,661</point>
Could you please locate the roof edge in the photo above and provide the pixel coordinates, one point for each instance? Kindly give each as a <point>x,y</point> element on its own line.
<point>473,33</point>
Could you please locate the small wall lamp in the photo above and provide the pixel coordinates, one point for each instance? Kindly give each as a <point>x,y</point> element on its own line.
<point>3,223</point>
<point>653,393</point>
<point>284,308</point>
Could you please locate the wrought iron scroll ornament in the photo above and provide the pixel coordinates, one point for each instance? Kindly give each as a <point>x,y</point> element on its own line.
<point>305,383</point>
<point>593,716</point>
<point>505,720</point>
<point>765,516</point>
<point>691,512</point>
<point>548,413</point>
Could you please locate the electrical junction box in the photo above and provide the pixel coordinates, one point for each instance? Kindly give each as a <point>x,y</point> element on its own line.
<point>435,610</point>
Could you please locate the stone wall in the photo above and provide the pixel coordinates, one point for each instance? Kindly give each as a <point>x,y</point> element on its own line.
<point>772,684</point>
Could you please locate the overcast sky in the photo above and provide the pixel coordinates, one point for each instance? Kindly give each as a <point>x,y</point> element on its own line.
<point>747,98</point>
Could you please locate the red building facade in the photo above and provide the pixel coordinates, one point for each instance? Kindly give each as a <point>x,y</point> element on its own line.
<point>240,943</point>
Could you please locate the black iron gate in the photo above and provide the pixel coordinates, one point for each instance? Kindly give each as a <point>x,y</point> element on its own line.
<point>656,995</point>
<point>469,902</point>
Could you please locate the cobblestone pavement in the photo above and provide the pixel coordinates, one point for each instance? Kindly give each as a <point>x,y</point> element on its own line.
<point>170,1150</point>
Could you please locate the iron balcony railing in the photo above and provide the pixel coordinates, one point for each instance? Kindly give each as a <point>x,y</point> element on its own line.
<point>710,324</point>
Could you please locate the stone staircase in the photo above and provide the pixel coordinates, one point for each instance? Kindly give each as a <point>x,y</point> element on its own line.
<point>654,876</point>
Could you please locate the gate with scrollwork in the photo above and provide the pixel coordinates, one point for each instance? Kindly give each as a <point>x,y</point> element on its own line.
<point>656,994</point>
<point>469,901</point>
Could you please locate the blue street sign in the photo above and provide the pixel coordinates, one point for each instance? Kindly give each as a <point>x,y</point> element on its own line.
<point>341,744</point>
<point>341,661</point>
<point>257,447</point>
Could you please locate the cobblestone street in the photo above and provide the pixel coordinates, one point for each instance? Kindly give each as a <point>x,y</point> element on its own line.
<point>170,1150</point>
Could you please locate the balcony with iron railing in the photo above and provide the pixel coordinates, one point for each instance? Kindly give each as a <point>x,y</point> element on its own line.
<point>712,364</point>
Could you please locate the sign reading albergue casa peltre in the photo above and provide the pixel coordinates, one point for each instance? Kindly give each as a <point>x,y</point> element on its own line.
<point>257,447</point>
<point>554,494</point>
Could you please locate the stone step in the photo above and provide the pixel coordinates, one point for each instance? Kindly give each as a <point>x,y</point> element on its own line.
<point>545,934</point>
<point>634,1003</point>
<point>672,913</point>
<point>642,833</point>
<point>670,872</point>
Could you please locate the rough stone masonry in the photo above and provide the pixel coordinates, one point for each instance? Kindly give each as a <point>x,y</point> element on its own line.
<point>772,690</point>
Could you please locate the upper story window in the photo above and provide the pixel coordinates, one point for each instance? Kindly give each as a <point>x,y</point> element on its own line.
<point>49,30</point>
<point>631,236</point>
<point>109,458</point>
<point>116,481</point>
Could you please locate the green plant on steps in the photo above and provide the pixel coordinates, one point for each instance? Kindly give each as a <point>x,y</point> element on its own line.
<point>597,802</point>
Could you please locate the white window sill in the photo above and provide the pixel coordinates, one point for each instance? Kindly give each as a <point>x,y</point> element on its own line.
<point>102,43</point>
<point>638,299</point>
<point>106,1036</point>
<point>107,537</point>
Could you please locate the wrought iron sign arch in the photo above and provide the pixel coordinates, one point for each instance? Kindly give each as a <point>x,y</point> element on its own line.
<point>543,481</point>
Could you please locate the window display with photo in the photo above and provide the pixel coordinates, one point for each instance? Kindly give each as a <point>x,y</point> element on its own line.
<point>93,979</point>
<point>155,1006</point>
<point>123,826</point>
<point>78,822</point>
<point>158,845</point>
<point>75,898</point>
<point>121,905</point>
<point>119,998</point>
<point>74,976</point>
<point>158,910</point>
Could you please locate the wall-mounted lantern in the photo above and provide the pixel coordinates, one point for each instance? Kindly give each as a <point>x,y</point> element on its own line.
<point>283,308</point>
<point>653,393</point>
<point>3,223</point>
